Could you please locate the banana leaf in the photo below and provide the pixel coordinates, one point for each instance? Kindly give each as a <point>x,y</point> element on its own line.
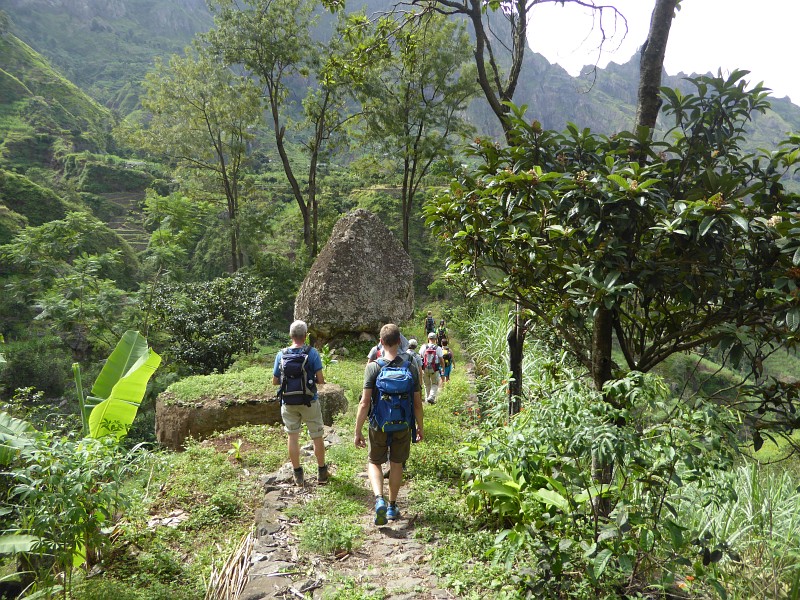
<point>15,435</point>
<point>15,543</point>
<point>120,387</point>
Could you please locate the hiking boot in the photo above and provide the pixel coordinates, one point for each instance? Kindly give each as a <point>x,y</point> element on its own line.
<point>298,476</point>
<point>322,475</point>
<point>380,511</point>
<point>393,512</point>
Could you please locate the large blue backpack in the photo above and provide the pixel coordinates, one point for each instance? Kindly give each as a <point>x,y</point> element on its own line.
<point>298,383</point>
<point>393,398</point>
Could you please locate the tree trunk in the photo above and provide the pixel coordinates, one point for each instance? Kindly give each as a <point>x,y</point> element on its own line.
<point>602,344</point>
<point>649,103</point>
<point>516,342</point>
<point>652,63</point>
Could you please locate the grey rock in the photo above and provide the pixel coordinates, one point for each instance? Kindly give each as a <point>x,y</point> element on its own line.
<point>361,280</point>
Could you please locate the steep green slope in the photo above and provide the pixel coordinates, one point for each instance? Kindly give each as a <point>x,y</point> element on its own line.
<point>106,46</point>
<point>41,113</point>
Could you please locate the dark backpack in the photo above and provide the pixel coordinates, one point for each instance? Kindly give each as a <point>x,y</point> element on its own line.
<point>430,324</point>
<point>393,398</point>
<point>298,383</point>
<point>430,359</point>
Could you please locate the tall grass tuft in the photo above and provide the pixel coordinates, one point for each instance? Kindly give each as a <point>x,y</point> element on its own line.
<point>760,523</point>
<point>542,366</point>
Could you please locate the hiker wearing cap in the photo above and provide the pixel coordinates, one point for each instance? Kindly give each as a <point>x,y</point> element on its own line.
<point>431,355</point>
<point>298,372</point>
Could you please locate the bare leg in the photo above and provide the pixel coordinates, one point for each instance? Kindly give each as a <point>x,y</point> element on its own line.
<point>395,480</point>
<point>376,478</point>
<point>294,449</point>
<point>319,450</point>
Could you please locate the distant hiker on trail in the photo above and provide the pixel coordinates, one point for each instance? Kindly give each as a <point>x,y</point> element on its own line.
<point>430,323</point>
<point>447,361</point>
<point>431,355</point>
<point>377,350</point>
<point>441,334</point>
<point>392,400</point>
<point>298,371</point>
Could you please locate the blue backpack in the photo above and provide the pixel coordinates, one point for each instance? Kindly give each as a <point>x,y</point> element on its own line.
<point>298,383</point>
<point>393,398</point>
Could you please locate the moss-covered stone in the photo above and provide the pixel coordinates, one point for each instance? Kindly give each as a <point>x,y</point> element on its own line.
<point>200,405</point>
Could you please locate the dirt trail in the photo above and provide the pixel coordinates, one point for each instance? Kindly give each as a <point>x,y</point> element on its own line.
<point>389,559</point>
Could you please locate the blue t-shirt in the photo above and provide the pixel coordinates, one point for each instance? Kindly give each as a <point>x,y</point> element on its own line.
<point>314,362</point>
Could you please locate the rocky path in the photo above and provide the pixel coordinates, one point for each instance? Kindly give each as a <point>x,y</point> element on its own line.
<point>390,559</point>
<point>390,563</point>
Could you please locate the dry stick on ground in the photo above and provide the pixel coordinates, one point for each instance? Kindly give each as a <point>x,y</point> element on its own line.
<point>228,583</point>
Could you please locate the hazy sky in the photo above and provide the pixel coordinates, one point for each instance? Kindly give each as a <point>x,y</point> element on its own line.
<point>760,36</point>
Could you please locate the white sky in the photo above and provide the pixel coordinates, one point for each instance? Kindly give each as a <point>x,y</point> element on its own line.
<point>759,36</point>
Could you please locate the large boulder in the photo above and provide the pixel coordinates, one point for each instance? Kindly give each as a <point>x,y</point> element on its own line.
<point>176,421</point>
<point>361,280</point>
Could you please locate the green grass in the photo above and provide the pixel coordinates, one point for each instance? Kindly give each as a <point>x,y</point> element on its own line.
<point>239,386</point>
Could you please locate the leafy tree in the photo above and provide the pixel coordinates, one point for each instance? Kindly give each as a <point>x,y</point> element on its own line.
<point>65,272</point>
<point>208,323</point>
<point>179,222</point>
<point>498,75</point>
<point>668,246</point>
<point>414,101</point>
<point>202,118</point>
<point>272,42</point>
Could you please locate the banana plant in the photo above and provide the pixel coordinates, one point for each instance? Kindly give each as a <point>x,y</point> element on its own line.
<point>119,389</point>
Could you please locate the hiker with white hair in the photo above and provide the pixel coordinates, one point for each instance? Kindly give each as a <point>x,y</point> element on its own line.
<point>298,372</point>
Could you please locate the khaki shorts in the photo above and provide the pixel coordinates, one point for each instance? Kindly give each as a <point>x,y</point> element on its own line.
<point>395,450</point>
<point>295,415</point>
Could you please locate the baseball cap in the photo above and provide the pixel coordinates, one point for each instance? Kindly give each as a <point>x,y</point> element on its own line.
<point>412,343</point>
<point>431,336</point>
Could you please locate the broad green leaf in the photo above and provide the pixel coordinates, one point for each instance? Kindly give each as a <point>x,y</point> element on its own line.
<point>675,533</point>
<point>15,434</point>
<point>620,181</point>
<point>601,562</point>
<point>793,319</point>
<point>552,498</point>
<point>14,543</point>
<point>626,564</point>
<point>706,224</point>
<point>130,349</point>
<point>495,488</point>
<point>741,222</point>
<point>124,381</point>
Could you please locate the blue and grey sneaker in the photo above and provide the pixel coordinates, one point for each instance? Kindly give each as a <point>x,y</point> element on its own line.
<point>393,512</point>
<point>380,511</point>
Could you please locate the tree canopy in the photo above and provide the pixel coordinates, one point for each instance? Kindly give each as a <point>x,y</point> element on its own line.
<point>685,243</point>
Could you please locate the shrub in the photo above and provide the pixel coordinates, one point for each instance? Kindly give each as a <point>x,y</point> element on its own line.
<point>40,362</point>
<point>208,323</point>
